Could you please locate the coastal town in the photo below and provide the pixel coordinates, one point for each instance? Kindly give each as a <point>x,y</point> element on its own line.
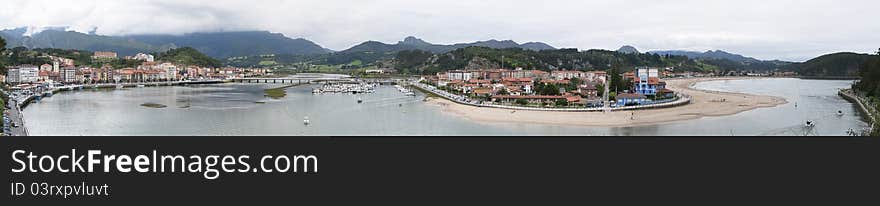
<point>570,89</point>
<point>501,90</point>
<point>33,82</point>
<point>554,90</point>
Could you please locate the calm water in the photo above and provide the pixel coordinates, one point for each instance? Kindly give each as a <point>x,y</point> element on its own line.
<point>232,109</point>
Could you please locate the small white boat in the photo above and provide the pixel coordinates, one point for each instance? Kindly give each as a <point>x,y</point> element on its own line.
<point>839,113</point>
<point>360,100</point>
<point>306,120</point>
<point>140,85</point>
<point>119,86</point>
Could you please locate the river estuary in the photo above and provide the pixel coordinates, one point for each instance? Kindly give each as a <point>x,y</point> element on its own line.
<point>242,109</point>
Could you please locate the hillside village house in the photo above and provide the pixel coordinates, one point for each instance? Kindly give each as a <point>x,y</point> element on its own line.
<point>565,74</point>
<point>104,55</point>
<point>142,57</point>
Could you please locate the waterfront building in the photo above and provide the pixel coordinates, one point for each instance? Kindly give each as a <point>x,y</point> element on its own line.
<point>54,76</point>
<point>647,81</point>
<point>631,99</point>
<point>170,71</point>
<point>537,99</point>
<point>588,90</point>
<point>22,74</point>
<point>43,75</point>
<point>68,74</point>
<point>46,67</point>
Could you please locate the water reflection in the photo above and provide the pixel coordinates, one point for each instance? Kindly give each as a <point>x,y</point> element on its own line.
<point>242,109</point>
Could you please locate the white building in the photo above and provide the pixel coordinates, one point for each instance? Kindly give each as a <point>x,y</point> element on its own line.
<point>143,57</point>
<point>28,73</point>
<point>68,74</point>
<point>170,70</point>
<point>459,75</point>
<point>12,76</point>
<point>567,74</point>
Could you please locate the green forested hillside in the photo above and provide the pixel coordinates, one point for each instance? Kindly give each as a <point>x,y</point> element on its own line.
<point>869,71</point>
<point>542,60</point>
<point>188,56</point>
<point>836,64</point>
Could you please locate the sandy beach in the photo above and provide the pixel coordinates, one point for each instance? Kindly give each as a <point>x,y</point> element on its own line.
<point>705,104</point>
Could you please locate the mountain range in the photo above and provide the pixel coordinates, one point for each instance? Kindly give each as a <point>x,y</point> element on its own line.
<point>223,44</point>
<point>250,43</point>
<point>214,44</point>
<point>413,43</point>
<point>726,59</point>
<point>716,54</point>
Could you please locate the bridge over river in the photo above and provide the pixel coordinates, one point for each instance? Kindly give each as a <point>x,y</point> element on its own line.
<point>296,79</point>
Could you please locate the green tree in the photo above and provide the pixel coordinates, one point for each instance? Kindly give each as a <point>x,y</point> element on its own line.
<point>2,44</point>
<point>188,56</point>
<point>2,57</point>
<point>561,103</point>
<point>503,92</point>
<point>617,82</point>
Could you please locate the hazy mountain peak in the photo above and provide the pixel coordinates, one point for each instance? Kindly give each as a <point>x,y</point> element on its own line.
<point>411,40</point>
<point>538,46</point>
<point>627,49</point>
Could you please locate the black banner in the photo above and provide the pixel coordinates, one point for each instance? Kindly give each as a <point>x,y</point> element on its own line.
<point>448,170</point>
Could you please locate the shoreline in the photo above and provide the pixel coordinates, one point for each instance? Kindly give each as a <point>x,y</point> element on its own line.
<point>704,103</point>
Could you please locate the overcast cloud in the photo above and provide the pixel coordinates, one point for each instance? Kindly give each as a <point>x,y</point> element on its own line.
<point>765,29</point>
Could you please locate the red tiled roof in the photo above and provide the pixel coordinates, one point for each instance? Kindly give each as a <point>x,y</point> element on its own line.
<point>482,90</point>
<point>528,97</point>
<point>587,86</point>
<point>479,81</point>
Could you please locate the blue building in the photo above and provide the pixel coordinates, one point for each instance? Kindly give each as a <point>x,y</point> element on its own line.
<point>647,81</point>
<point>631,99</point>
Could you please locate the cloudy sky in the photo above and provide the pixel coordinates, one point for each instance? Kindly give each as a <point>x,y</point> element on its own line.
<point>765,29</point>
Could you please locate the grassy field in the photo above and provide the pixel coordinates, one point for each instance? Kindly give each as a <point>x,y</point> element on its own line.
<point>277,93</point>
